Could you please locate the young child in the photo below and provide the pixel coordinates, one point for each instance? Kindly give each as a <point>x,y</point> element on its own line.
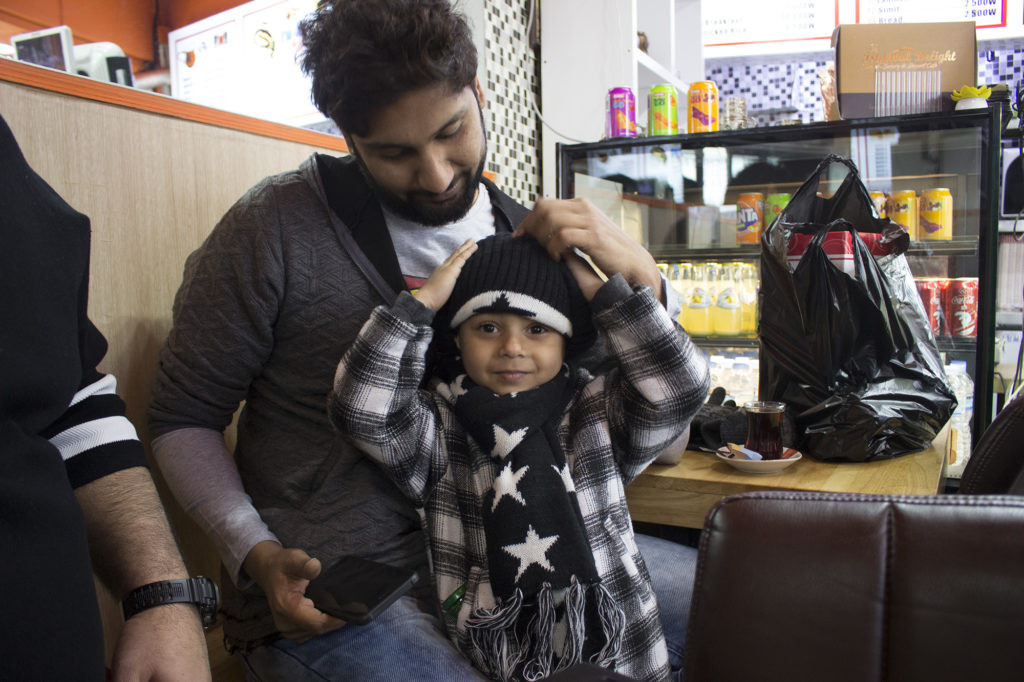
<point>517,459</point>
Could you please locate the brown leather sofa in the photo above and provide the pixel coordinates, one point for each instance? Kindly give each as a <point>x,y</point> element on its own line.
<point>832,587</point>
<point>997,460</point>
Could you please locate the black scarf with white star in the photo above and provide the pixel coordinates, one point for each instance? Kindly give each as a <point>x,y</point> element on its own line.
<point>537,550</point>
<point>531,518</point>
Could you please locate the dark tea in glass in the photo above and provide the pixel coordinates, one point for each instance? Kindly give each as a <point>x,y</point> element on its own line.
<point>764,428</point>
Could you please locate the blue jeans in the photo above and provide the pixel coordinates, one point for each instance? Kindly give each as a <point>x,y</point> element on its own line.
<point>403,644</point>
<point>407,644</point>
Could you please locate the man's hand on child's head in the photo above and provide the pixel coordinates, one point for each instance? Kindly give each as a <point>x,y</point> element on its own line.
<point>561,225</point>
<point>588,280</point>
<point>435,291</point>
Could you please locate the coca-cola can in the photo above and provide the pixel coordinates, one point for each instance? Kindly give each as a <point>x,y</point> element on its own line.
<point>931,291</point>
<point>962,306</point>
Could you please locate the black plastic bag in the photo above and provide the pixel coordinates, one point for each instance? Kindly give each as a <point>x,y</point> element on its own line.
<point>849,350</point>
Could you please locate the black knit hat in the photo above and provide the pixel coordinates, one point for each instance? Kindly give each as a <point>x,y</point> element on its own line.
<point>509,274</point>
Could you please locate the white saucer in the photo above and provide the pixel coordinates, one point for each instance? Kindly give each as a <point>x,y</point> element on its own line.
<point>759,466</point>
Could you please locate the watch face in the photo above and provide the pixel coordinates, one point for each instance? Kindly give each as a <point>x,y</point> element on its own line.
<point>209,599</point>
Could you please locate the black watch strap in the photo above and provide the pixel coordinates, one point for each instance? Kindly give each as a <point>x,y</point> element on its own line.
<point>200,591</point>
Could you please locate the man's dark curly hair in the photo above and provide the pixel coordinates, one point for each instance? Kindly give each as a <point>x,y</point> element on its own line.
<point>363,55</point>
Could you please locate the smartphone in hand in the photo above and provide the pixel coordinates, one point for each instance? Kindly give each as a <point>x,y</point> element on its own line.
<point>357,590</point>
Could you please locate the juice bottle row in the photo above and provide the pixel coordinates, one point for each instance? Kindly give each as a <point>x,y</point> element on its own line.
<point>717,299</point>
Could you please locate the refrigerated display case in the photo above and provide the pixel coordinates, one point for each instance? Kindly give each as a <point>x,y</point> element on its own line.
<point>691,200</point>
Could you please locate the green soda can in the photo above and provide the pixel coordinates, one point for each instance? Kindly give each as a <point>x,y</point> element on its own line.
<point>773,205</point>
<point>662,111</point>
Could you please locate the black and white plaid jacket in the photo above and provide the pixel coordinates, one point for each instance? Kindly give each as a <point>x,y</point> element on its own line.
<point>617,423</point>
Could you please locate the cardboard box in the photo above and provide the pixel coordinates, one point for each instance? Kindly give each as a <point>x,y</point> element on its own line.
<point>895,69</point>
<point>838,247</point>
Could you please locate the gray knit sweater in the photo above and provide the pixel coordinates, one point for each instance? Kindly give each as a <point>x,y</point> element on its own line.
<point>268,305</point>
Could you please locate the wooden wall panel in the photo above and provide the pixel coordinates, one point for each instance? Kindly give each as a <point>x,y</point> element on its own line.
<point>153,186</point>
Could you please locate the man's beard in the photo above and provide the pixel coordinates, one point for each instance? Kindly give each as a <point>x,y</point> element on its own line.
<point>432,214</point>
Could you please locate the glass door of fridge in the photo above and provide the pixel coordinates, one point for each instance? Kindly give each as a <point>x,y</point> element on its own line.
<point>700,202</point>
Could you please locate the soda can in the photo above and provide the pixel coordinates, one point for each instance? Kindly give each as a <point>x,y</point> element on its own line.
<point>773,206</point>
<point>936,215</point>
<point>702,100</point>
<point>662,111</point>
<point>620,120</point>
<point>962,306</point>
<point>931,291</point>
<point>904,211</point>
<point>749,218</point>
<point>879,199</point>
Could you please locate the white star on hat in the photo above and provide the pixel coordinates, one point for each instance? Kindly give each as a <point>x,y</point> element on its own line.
<point>532,551</point>
<point>506,484</point>
<point>505,442</point>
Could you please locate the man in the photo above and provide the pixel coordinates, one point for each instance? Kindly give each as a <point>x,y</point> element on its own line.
<point>74,481</point>
<point>279,291</point>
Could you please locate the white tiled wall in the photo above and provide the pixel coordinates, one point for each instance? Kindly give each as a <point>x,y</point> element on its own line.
<point>780,87</point>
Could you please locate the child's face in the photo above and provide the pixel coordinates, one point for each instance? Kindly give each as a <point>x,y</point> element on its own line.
<point>508,353</point>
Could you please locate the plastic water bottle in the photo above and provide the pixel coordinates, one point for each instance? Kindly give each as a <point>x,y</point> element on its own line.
<point>963,387</point>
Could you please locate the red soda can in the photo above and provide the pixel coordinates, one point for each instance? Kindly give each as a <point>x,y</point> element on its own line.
<point>962,306</point>
<point>620,109</point>
<point>931,291</point>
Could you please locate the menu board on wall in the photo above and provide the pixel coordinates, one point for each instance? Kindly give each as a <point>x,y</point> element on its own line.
<point>768,27</point>
<point>756,27</point>
<point>985,13</point>
<point>244,60</point>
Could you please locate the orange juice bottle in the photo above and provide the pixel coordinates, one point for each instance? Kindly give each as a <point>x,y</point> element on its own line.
<point>726,315</point>
<point>748,298</point>
<point>696,315</point>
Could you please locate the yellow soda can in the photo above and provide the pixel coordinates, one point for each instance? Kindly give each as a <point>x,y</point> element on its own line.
<point>702,107</point>
<point>904,211</point>
<point>936,215</point>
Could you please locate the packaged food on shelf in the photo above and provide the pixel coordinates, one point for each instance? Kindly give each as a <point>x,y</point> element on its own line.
<point>696,314</point>
<point>702,107</point>
<point>962,306</point>
<point>963,387</point>
<point>936,215</point>
<point>727,315</point>
<point>749,217</point>
<point>904,211</point>
<point>620,113</point>
<point>773,205</point>
<point>880,199</point>
<point>662,110</point>
<point>933,292</point>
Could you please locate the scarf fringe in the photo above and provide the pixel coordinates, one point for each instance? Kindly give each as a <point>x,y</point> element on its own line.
<point>575,624</point>
<point>493,637</point>
<point>613,623</point>
<point>496,644</point>
<point>540,637</point>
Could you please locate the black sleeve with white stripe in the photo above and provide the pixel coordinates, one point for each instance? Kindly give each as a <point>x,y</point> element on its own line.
<point>94,437</point>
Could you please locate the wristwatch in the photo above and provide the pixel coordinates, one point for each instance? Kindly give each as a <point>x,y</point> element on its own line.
<point>200,591</point>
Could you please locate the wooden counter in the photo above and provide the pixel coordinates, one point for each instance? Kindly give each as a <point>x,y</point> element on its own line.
<point>681,494</point>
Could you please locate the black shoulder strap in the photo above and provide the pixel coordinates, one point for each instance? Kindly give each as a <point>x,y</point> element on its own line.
<point>359,223</point>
